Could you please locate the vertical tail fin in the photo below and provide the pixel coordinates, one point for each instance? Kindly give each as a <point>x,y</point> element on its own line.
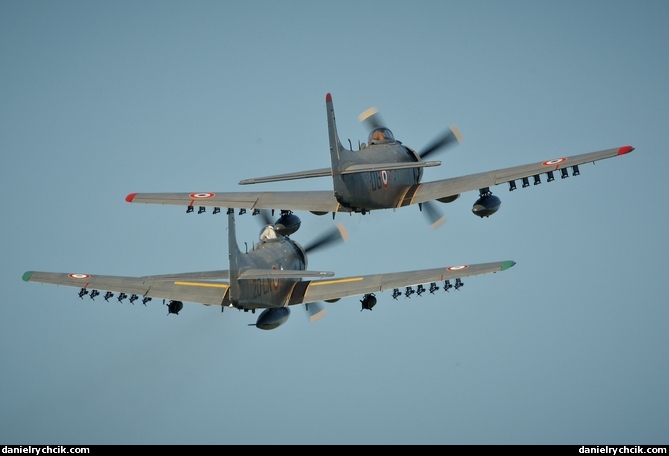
<point>234,255</point>
<point>336,148</point>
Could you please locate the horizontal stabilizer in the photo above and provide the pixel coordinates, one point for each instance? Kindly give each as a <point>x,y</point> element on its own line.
<point>290,176</point>
<point>387,166</point>
<point>282,274</point>
<point>222,274</point>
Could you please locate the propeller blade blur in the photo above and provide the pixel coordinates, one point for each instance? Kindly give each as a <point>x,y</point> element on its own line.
<point>372,118</point>
<point>450,136</point>
<point>316,311</point>
<point>337,234</point>
<point>434,217</point>
<point>266,217</point>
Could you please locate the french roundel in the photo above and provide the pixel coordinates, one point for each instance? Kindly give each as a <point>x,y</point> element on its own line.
<point>457,268</point>
<point>78,276</point>
<point>202,195</point>
<point>384,178</point>
<point>554,161</point>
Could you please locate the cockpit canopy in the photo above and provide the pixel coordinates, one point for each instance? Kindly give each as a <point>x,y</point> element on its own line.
<point>380,135</point>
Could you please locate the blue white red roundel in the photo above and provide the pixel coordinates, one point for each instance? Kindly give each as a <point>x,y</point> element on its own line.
<point>384,178</point>
<point>202,195</point>
<point>555,161</point>
<point>78,276</point>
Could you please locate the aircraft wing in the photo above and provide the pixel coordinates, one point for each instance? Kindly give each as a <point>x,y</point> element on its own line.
<point>428,191</point>
<point>315,201</point>
<point>320,290</point>
<point>181,287</point>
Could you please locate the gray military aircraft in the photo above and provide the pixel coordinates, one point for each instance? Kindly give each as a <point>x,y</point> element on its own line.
<point>269,277</point>
<point>382,174</point>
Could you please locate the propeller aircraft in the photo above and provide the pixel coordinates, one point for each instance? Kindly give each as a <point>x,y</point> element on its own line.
<point>382,174</point>
<point>272,277</point>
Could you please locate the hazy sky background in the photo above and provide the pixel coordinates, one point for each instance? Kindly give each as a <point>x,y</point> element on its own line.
<point>101,99</point>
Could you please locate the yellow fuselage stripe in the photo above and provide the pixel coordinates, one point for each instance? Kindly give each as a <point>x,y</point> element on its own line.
<point>315,283</point>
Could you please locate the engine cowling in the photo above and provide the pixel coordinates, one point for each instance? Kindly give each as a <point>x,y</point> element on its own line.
<point>272,318</point>
<point>486,205</point>
<point>287,224</point>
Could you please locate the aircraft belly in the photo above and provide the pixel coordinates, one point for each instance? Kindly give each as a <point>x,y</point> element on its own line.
<point>375,190</point>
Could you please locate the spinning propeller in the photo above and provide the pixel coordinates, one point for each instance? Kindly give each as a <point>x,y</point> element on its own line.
<point>450,136</point>
<point>334,235</point>
<point>434,216</point>
<point>316,310</point>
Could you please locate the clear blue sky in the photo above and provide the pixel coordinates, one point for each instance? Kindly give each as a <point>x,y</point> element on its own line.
<point>101,99</point>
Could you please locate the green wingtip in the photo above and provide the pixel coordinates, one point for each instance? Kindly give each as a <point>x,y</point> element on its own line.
<point>26,275</point>
<point>507,264</point>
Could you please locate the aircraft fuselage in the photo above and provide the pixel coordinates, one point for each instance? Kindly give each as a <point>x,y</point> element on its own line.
<point>376,189</point>
<point>276,254</point>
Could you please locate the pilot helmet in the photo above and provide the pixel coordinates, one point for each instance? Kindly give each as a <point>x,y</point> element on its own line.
<point>380,135</point>
<point>267,233</point>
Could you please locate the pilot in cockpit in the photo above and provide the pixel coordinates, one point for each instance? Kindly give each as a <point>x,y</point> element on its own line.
<point>268,233</point>
<point>380,135</point>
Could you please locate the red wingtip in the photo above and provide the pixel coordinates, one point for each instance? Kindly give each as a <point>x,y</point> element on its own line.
<point>625,150</point>
<point>130,197</point>
<point>328,98</point>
